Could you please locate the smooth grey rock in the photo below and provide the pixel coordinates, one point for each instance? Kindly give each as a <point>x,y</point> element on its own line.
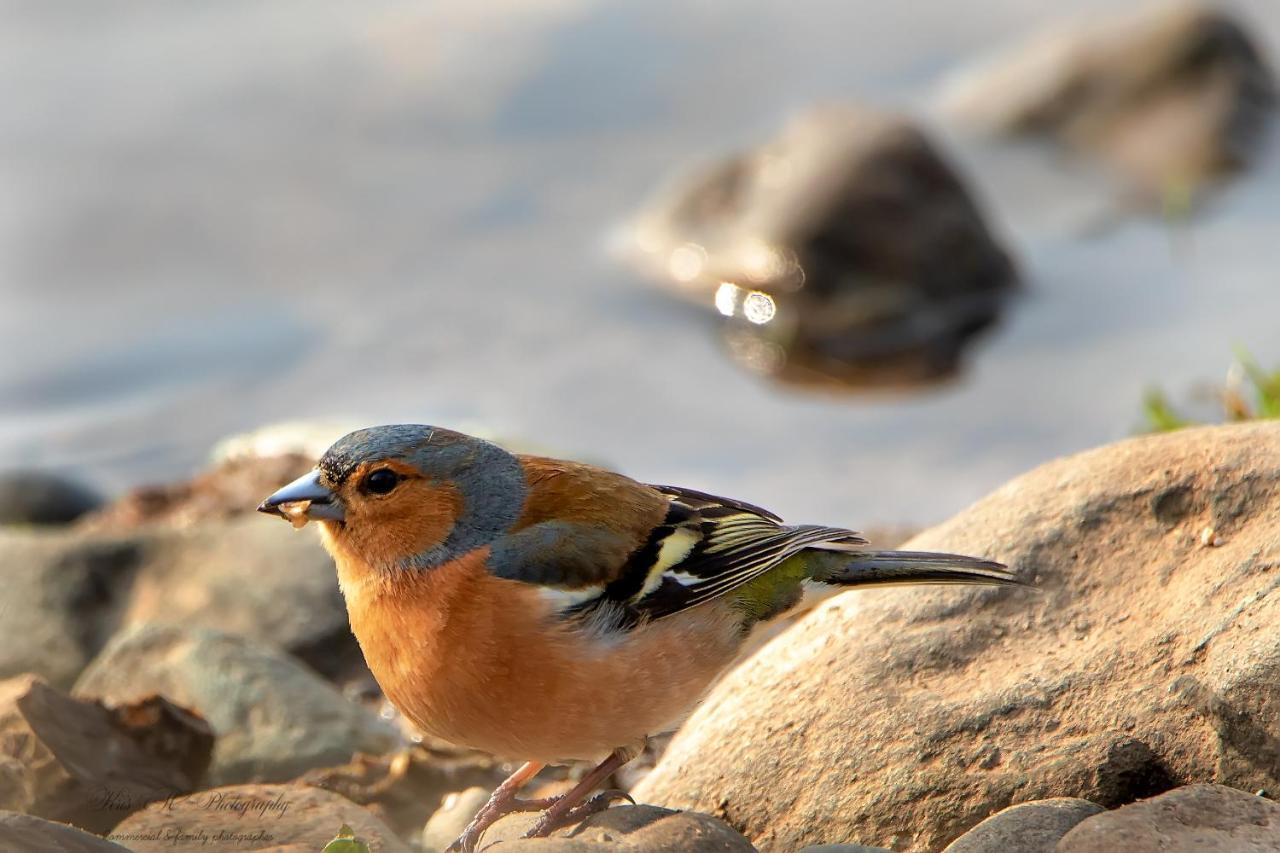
<point>39,497</point>
<point>451,818</point>
<point>63,594</point>
<point>274,718</point>
<point>24,833</point>
<point>1026,828</point>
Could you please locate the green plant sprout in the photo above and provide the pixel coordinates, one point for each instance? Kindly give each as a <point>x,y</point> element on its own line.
<point>346,842</point>
<point>1250,393</point>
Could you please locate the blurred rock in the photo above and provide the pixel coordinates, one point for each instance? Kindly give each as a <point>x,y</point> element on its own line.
<point>77,762</point>
<point>38,497</point>
<point>1187,820</point>
<point>274,718</point>
<point>405,788</point>
<point>70,590</point>
<point>24,833</point>
<point>1170,96</point>
<point>63,596</point>
<point>233,487</point>
<point>248,817</point>
<point>845,252</point>
<point>249,576</point>
<point>843,848</point>
<point>636,829</point>
<point>905,717</point>
<point>452,817</point>
<point>1025,828</point>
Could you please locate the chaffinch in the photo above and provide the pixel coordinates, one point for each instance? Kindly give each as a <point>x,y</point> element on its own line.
<point>553,610</point>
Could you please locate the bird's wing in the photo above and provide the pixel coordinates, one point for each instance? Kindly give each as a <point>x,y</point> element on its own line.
<point>596,542</point>
<point>709,545</point>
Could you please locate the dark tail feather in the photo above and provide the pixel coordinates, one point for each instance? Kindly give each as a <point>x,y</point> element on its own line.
<point>886,568</point>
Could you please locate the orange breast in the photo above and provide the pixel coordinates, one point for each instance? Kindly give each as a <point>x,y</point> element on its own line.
<point>482,662</point>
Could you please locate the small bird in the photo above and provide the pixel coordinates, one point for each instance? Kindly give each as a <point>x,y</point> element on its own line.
<point>553,610</point>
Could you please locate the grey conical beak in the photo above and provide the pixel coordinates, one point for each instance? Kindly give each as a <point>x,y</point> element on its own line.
<point>322,503</point>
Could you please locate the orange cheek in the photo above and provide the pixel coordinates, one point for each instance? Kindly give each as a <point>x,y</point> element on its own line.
<point>415,519</point>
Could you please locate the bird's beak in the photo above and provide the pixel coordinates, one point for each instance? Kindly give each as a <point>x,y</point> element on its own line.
<point>312,498</point>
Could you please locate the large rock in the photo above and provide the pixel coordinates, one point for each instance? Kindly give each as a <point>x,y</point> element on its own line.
<point>249,817</point>
<point>846,250</point>
<point>1026,828</point>
<point>68,592</point>
<point>274,718</point>
<point>624,829</point>
<point>24,833</point>
<point>250,577</point>
<point>1189,820</point>
<point>1146,659</point>
<point>80,763</point>
<point>63,595</point>
<point>38,497</point>
<point>1170,95</point>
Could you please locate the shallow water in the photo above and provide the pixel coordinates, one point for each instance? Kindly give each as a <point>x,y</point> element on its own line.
<point>218,216</point>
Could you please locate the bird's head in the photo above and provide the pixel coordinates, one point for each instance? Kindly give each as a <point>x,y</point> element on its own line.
<point>406,496</point>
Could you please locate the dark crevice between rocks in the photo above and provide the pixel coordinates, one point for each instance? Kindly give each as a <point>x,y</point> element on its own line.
<point>100,579</point>
<point>1130,771</point>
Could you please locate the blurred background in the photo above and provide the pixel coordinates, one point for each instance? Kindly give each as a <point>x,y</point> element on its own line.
<point>507,217</point>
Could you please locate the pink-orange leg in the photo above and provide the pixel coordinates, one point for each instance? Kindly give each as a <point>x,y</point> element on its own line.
<point>574,806</point>
<point>502,802</point>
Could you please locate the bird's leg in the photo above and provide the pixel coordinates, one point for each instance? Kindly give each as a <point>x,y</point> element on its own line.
<point>570,806</point>
<point>501,803</point>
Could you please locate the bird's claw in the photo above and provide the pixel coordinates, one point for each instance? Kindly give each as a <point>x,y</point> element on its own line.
<point>551,820</point>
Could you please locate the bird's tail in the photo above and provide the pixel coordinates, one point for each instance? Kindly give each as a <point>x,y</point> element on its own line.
<point>843,567</point>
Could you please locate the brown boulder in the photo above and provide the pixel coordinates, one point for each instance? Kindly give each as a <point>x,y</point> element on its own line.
<point>80,763</point>
<point>230,488</point>
<point>1187,820</point>
<point>845,251</point>
<point>625,829</point>
<point>249,817</point>
<point>24,833</point>
<point>904,717</point>
<point>1168,96</point>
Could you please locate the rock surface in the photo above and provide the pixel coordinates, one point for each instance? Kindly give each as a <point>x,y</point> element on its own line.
<point>38,497</point>
<point>24,833</point>
<point>80,763</point>
<point>635,829</point>
<point>448,821</point>
<point>250,577</point>
<point>235,486</point>
<point>274,717</point>
<point>1026,828</point>
<point>69,591</point>
<point>1188,820</point>
<point>847,250</point>
<point>63,596</point>
<point>248,817</point>
<point>405,788</point>
<point>1170,95</point>
<point>904,717</point>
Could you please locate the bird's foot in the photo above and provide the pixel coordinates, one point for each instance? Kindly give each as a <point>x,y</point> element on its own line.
<point>503,802</point>
<point>561,814</point>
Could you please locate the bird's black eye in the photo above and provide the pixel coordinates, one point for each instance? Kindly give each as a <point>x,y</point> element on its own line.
<point>382,481</point>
